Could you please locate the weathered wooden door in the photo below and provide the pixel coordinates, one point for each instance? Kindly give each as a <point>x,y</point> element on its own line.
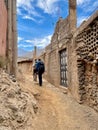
<point>63,68</point>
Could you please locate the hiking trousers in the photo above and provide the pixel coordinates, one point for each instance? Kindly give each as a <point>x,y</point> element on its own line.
<point>40,79</point>
<point>35,77</point>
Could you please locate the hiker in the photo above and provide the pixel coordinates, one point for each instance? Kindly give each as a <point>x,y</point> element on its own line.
<point>41,69</point>
<point>35,70</point>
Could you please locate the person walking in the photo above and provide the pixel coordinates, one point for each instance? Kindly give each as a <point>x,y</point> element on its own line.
<point>35,70</point>
<point>41,70</point>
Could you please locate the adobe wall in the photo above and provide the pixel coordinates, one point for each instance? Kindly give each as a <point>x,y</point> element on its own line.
<point>3,28</point>
<point>82,59</point>
<point>62,39</point>
<point>87,61</point>
<point>51,57</point>
<point>25,67</point>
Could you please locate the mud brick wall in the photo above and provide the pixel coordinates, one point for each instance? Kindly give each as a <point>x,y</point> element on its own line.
<point>60,41</point>
<point>82,58</point>
<point>53,69</point>
<point>51,56</point>
<point>50,59</point>
<point>3,28</point>
<point>87,63</point>
<point>25,66</point>
<point>61,32</point>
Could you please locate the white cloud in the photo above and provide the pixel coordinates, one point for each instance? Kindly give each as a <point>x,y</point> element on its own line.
<point>19,11</point>
<point>92,6</point>
<point>48,6</point>
<point>81,19</point>
<point>20,39</point>
<point>87,8</point>
<point>80,2</point>
<point>25,46</point>
<point>41,42</point>
<point>29,17</point>
<point>29,8</point>
<point>83,2</point>
<point>24,3</point>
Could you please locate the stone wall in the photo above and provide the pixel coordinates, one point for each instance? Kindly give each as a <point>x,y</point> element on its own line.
<point>3,28</point>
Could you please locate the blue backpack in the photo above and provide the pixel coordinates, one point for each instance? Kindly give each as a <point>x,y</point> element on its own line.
<point>41,68</point>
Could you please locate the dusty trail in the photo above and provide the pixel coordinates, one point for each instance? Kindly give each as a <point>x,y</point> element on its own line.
<point>59,111</point>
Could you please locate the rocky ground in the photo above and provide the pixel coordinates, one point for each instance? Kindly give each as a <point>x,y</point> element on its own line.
<point>26,106</point>
<point>17,107</point>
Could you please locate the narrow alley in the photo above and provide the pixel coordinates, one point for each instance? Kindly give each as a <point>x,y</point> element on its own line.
<point>57,108</point>
<point>67,46</point>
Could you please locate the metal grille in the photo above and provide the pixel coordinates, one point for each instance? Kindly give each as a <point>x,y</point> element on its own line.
<point>63,68</point>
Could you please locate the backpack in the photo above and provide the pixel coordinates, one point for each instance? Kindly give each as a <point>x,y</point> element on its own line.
<point>35,68</point>
<point>41,68</point>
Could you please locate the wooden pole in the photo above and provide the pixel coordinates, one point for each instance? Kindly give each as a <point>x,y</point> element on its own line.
<point>14,47</point>
<point>9,38</point>
<point>34,53</point>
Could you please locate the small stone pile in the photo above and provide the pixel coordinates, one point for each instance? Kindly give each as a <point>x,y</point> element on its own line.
<point>17,107</point>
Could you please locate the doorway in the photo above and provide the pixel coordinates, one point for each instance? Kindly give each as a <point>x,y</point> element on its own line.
<point>63,68</point>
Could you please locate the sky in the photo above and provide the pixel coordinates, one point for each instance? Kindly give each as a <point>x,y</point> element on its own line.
<point>36,19</point>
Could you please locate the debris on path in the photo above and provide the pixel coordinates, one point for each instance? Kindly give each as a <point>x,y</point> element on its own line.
<point>58,110</point>
<point>17,107</point>
<point>24,105</point>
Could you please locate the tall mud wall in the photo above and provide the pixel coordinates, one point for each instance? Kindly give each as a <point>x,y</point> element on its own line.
<point>3,28</point>
<point>87,62</point>
<point>25,67</point>
<point>82,59</point>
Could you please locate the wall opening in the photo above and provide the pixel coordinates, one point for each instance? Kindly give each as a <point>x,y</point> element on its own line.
<point>63,68</point>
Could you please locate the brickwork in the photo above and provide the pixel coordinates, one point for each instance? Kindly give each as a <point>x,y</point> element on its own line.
<point>82,59</point>
<point>3,28</point>
<point>61,32</point>
<point>60,41</point>
<point>52,55</point>
<point>87,63</point>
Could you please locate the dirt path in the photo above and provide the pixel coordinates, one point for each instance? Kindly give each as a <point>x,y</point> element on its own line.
<point>59,111</point>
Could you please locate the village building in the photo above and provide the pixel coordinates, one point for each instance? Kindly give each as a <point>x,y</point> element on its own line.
<point>71,59</point>
<point>8,34</point>
<point>25,65</point>
<point>3,28</point>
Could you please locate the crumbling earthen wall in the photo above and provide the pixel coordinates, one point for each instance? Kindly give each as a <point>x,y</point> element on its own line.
<point>82,60</point>
<point>87,62</point>
<point>61,40</point>
<point>3,28</point>
<point>25,67</point>
<point>51,56</point>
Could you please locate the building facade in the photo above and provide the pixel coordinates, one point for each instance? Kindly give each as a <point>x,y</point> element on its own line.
<point>71,59</point>
<point>8,34</point>
<point>3,28</point>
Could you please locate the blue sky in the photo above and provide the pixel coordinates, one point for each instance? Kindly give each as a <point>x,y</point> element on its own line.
<point>37,19</point>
